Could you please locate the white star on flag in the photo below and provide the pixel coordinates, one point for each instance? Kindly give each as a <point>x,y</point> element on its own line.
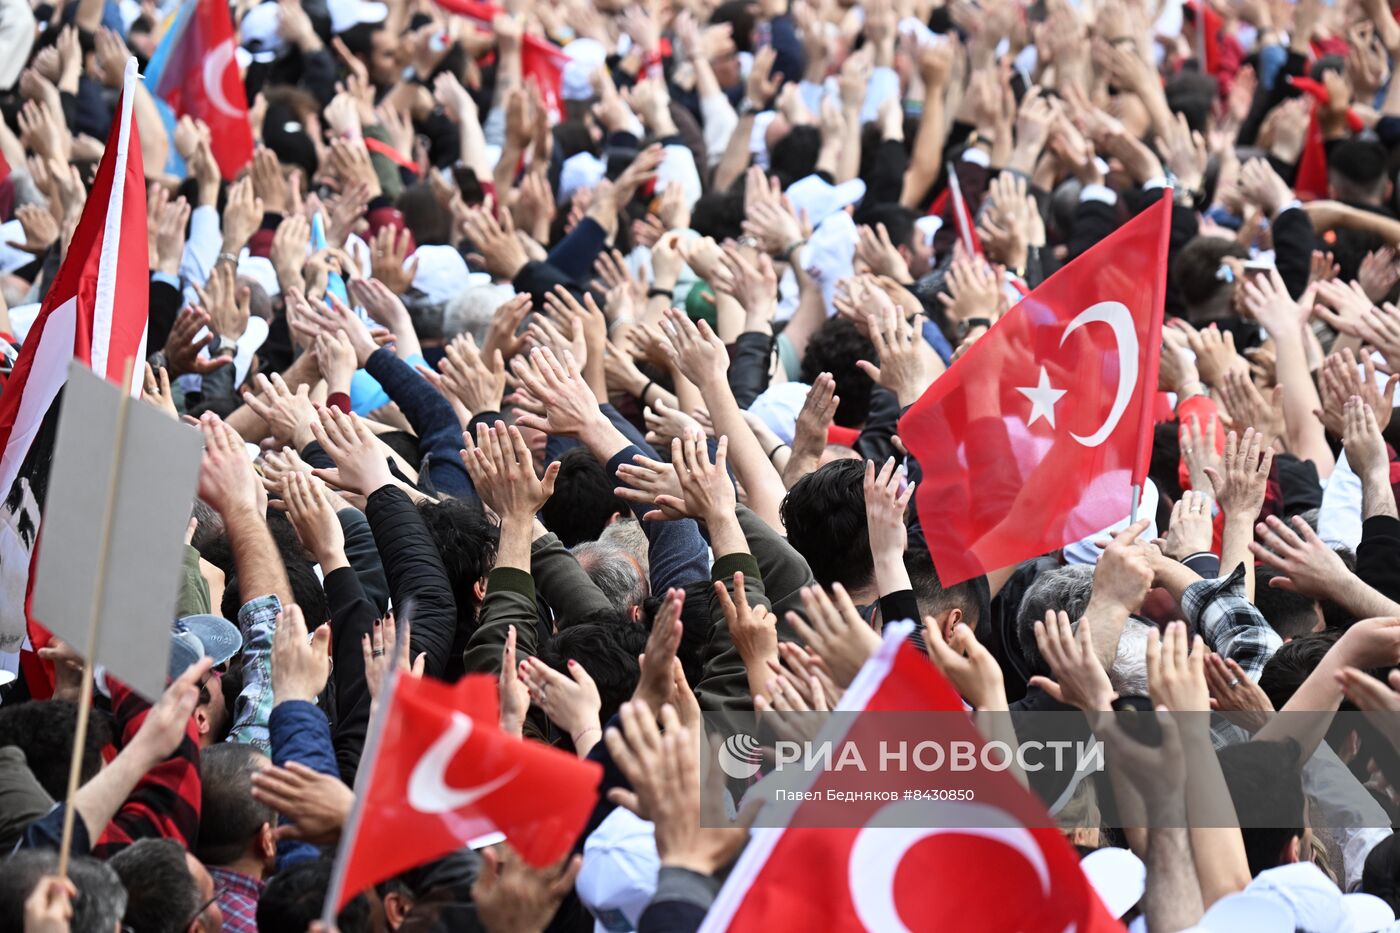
<point>1043,398</point>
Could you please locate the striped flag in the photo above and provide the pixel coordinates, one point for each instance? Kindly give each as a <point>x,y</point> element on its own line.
<point>94,312</point>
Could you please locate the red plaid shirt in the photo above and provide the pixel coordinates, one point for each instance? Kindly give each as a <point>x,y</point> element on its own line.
<point>165,804</point>
<point>238,899</point>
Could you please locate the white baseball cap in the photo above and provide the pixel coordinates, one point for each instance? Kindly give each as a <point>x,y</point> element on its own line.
<point>1297,897</point>
<point>820,199</point>
<point>1117,875</point>
<point>620,865</point>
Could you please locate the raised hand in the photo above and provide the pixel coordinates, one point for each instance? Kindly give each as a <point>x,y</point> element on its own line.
<point>335,357</point>
<point>1363,442</point>
<point>1123,573</point>
<point>1176,675</point>
<point>226,477</point>
<point>288,414</point>
<point>570,408</point>
<point>646,479</point>
<point>360,462</point>
<point>156,390</point>
<point>1341,305</point>
<point>753,628</point>
<point>695,350</point>
<point>242,215</point>
<point>227,302</point>
<point>1342,378</point>
<point>1079,679</point>
<point>1380,328</point>
<point>1198,450</point>
<point>750,282</point>
<point>885,503</point>
<point>467,375</point>
<point>495,242</point>
<point>662,765</point>
<point>312,514</point>
<point>1215,354</point>
<point>1268,301</point>
<point>657,683</point>
<point>171,222</point>
<point>1231,691</point>
<point>665,424</point>
<point>301,665</point>
<point>1305,564</point>
<point>571,702</point>
<point>40,229</point>
<point>835,632</point>
<point>503,471</point>
<point>968,665</point>
<point>1248,408</point>
<point>1190,529</point>
<point>908,365</point>
<point>502,334</point>
<point>377,649</point>
<point>814,420</point>
<point>879,255</point>
<point>514,695</point>
<point>182,348</point>
<point>1380,701</point>
<point>1242,478</point>
<point>316,805</point>
<point>974,289</point>
<point>389,263</point>
<point>706,489</point>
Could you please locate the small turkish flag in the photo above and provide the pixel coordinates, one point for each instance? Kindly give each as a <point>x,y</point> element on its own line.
<point>993,864</point>
<point>197,75</point>
<point>1035,436</point>
<point>444,774</point>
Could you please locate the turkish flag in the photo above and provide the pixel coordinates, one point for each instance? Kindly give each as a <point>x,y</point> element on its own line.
<point>1035,436</point>
<point>444,774</point>
<point>996,864</point>
<point>539,58</point>
<point>95,311</point>
<point>198,77</point>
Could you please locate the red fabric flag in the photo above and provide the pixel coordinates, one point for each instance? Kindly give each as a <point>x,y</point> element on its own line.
<point>444,774</point>
<point>1311,180</point>
<point>1034,437</point>
<point>539,58</point>
<point>997,863</point>
<point>95,312</point>
<point>1209,29</point>
<point>967,228</point>
<point>200,79</point>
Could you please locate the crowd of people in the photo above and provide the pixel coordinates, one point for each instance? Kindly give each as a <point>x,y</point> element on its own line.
<point>597,387</point>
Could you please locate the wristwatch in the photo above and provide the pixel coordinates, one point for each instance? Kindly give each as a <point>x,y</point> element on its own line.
<point>971,323</point>
<point>222,346</point>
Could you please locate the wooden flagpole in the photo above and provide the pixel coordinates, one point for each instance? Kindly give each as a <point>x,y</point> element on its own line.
<point>104,538</point>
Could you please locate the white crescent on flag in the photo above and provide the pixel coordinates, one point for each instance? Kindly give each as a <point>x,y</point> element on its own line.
<point>428,790</point>
<point>215,66</point>
<point>1117,316</point>
<point>878,850</point>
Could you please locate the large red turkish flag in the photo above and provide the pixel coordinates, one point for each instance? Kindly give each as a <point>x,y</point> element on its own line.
<point>445,774</point>
<point>96,312</point>
<point>1035,436</point>
<point>995,864</point>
